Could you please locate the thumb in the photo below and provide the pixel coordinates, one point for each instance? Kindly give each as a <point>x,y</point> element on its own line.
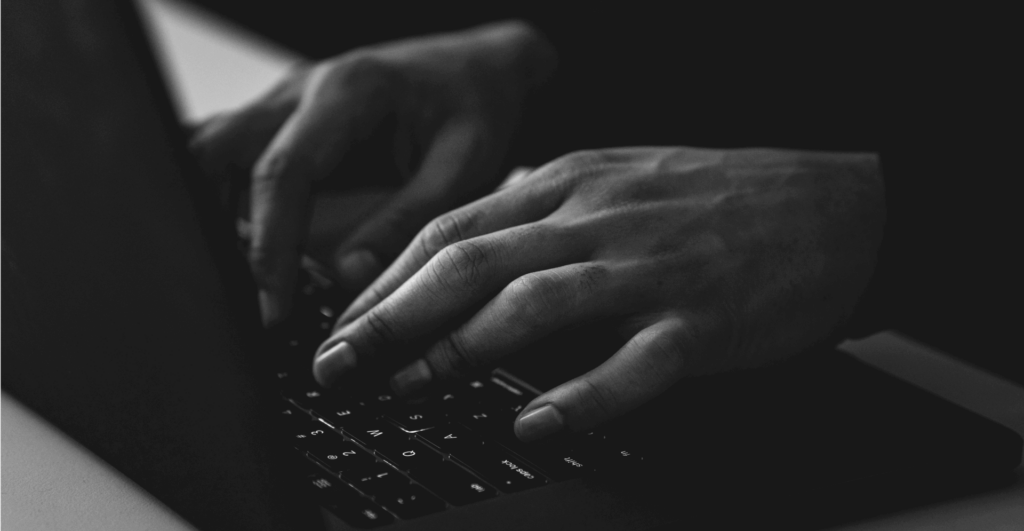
<point>642,369</point>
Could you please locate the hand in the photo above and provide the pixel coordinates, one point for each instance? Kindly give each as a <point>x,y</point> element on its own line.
<point>708,260</point>
<point>456,98</point>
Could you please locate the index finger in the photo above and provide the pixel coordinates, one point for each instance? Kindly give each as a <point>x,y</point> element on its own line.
<point>309,145</point>
<point>455,279</point>
<point>500,210</point>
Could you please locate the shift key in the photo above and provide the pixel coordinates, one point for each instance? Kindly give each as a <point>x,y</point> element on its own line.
<point>507,473</point>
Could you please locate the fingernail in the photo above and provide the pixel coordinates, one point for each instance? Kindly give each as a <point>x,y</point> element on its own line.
<point>333,363</point>
<point>358,268</point>
<point>539,423</point>
<point>412,378</point>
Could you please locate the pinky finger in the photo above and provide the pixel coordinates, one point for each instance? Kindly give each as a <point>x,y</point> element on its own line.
<point>643,368</point>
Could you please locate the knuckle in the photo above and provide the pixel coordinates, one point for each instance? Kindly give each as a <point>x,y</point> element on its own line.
<point>590,278</point>
<point>575,167</point>
<point>537,296</point>
<point>665,352</point>
<point>582,157</point>
<point>596,397</point>
<point>272,168</point>
<point>668,347</point>
<point>378,327</point>
<point>582,160</point>
<point>360,68</point>
<point>466,261</point>
<point>444,231</point>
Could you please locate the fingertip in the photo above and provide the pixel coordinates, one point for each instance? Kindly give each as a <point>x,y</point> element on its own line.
<point>334,363</point>
<point>539,423</point>
<point>275,278</point>
<point>356,269</point>
<point>270,166</point>
<point>412,378</point>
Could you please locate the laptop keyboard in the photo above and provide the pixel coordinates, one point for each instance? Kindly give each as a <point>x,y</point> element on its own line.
<point>371,458</point>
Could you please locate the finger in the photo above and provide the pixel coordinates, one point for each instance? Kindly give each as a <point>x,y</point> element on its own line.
<point>457,278</point>
<point>508,208</point>
<point>645,367</point>
<point>527,310</point>
<point>459,158</point>
<point>233,141</point>
<point>516,176</point>
<point>307,147</point>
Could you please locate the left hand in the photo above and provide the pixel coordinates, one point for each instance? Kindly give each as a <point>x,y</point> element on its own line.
<point>708,259</point>
<point>445,107</point>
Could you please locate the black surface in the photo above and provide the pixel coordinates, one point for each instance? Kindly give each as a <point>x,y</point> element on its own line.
<point>127,323</point>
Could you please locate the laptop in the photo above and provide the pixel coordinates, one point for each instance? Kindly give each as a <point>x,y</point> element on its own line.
<point>131,322</point>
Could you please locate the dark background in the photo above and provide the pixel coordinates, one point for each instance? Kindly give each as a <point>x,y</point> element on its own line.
<point>932,90</point>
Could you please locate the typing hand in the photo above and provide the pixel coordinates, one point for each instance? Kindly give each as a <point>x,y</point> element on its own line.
<point>708,260</point>
<point>455,97</point>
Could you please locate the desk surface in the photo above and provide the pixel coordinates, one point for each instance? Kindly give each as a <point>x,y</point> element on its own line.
<point>49,481</point>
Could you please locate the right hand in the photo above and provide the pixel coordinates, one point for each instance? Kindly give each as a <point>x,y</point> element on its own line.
<point>702,260</point>
<point>456,98</point>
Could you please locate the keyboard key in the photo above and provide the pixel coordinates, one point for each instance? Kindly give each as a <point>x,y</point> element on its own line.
<point>378,473</point>
<point>449,402</point>
<point>308,397</point>
<point>620,454</point>
<point>479,420</point>
<point>486,391</point>
<point>560,462</point>
<point>608,451</point>
<point>362,515</point>
<point>498,425</point>
<point>412,457</point>
<point>311,434</point>
<point>343,458</point>
<point>452,440</point>
<point>344,416</point>
<point>411,501</point>
<point>455,485</point>
<point>346,503</point>
<point>508,473</point>
<point>376,434</point>
<point>414,419</point>
<point>379,479</point>
<point>514,392</point>
<point>376,398</point>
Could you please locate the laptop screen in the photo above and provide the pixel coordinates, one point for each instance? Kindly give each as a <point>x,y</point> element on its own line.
<point>127,320</point>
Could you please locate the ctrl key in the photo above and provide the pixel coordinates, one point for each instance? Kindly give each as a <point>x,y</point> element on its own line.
<point>346,503</point>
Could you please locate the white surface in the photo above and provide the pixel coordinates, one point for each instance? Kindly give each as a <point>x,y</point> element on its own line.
<point>211,64</point>
<point>50,482</point>
<point>47,480</point>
